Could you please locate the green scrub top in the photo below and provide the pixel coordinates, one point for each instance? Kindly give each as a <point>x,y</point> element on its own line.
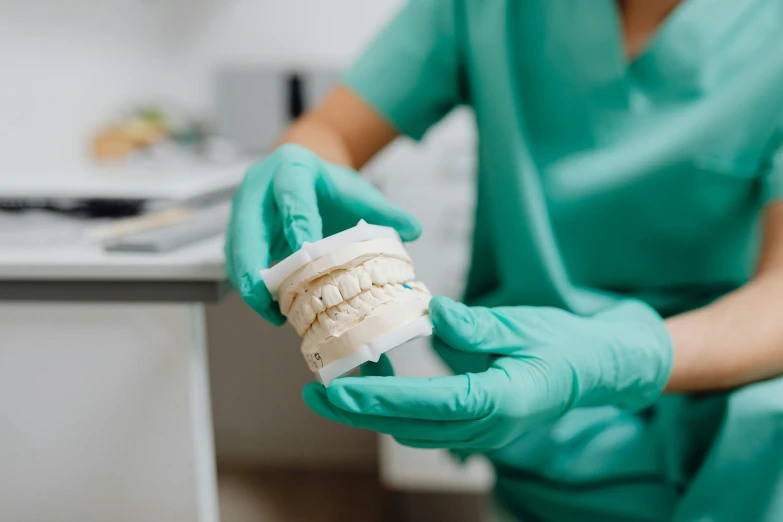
<point>641,178</point>
<point>599,178</point>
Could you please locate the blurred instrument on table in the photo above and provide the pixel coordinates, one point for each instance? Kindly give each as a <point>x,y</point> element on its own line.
<point>180,229</point>
<point>137,224</point>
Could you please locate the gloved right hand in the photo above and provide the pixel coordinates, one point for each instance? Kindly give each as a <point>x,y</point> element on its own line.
<point>543,362</point>
<point>291,197</point>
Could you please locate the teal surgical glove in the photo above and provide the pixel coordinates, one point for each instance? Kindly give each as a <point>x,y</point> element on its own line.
<point>542,362</point>
<point>292,197</point>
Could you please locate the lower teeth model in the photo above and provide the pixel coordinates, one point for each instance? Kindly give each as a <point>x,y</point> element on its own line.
<point>351,297</point>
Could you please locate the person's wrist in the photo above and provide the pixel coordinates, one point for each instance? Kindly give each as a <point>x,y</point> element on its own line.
<point>637,360</point>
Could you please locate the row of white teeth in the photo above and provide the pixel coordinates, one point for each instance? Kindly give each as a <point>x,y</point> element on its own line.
<point>336,319</point>
<point>341,286</point>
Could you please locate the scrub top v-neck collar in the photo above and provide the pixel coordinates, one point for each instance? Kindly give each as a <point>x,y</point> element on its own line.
<point>668,65</point>
<point>671,63</point>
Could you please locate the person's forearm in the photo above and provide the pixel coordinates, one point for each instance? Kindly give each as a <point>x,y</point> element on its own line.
<point>736,340</point>
<point>343,129</point>
<point>319,138</point>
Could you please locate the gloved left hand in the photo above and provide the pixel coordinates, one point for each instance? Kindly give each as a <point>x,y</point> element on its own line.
<point>542,362</point>
<point>291,197</point>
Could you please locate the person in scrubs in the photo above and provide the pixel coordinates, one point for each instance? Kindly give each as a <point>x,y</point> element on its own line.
<point>620,350</point>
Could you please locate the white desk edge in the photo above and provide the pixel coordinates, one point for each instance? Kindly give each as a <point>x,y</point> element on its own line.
<point>202,261</point>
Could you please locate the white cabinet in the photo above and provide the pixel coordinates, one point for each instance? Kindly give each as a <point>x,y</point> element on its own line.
<point>105,413</point>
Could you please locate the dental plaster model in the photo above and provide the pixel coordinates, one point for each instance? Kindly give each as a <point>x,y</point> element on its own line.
<point>351,297</point>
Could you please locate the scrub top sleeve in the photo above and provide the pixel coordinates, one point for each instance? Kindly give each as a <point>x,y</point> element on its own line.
<point>411,73</point>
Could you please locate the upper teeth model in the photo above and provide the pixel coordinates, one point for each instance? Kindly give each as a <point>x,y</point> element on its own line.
<point>351,297</point>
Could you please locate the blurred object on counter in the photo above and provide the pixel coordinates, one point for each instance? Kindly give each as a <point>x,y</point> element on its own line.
<point>154,230</point>
<point>161,133</point>
<point>165,234</point>
<point>143,128</point>
<point>90,207</point>
<point>133,225</point>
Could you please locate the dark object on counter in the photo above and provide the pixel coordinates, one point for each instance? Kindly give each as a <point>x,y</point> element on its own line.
<point>296,101</point>
<point>88,208</point>
<point>255,103</point>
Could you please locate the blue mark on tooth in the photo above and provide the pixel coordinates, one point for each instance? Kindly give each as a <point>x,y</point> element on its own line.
<point>408,287</point>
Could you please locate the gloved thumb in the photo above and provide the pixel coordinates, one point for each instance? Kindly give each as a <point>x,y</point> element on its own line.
<point>455,324</point>
<point>460,361</point>
<point>295,196</point>
<point>475,329</point>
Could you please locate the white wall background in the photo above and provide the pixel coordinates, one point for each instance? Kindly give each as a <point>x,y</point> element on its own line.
<point>314,33</point>
<point>68,65</point>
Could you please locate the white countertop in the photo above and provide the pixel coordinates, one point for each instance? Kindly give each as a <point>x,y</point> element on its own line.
<point>180,181</point>
<point>202,261</point>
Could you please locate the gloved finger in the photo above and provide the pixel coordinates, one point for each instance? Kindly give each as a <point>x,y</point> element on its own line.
<point>476,329</point>
<point>228,253</point>
<point>461,446</point>
<point>315,397</point>
<point>382,368</point>
<point>459,361</point>
<point>279,249</point>
<point>455,397</point>
<point>489,437</point>
<point>294,189</point>
<point>351,192</point>
<point>382,212</point>
<point>252,288</point>
<point>247,244</point>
